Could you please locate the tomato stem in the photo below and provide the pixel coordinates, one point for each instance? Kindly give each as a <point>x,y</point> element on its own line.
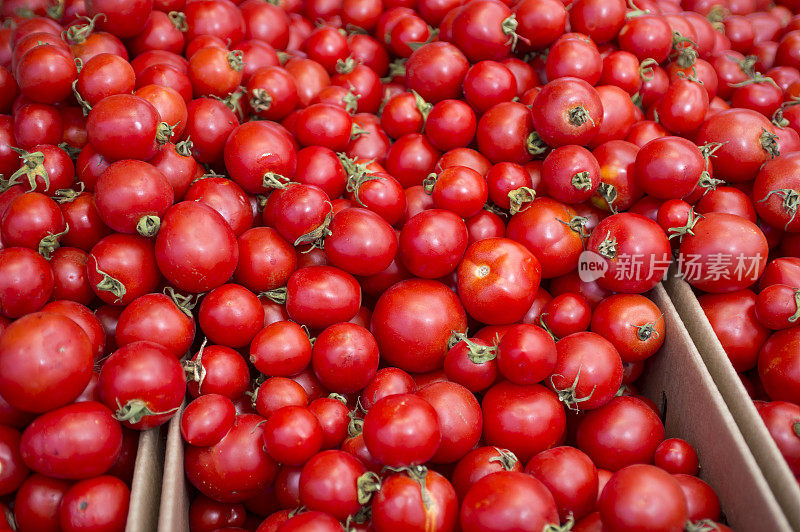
<point>769,143</point>
<point>236,60</point>
<point>85,107</point>
<point>505,458</point>
<point>578,116</point>
<point>568,395</point>
<point>535,144</point>
<point>71,150</point>
<point>429,183</point>
<point>367,484</point>
<point>555,527</point>
<point>272,180</point>
<point>165,132</point>
<point>260,100</point>
<point>32,167</point>
<point>78,33</point>
<point>646,69</point>
<point>648,330</point>
<point>680,232</point>
<point>68,195</point>
<point>178,20</point>
<point>608,192</point>
<point>278,295</point>
<point>520,199</point>
<point>108,283</point>
<point>608,247</point>
<point>350,100</point>
<point>582,181</point>
<point>50,243</point>
<point>135,410</point>
<point>194,369</point>
<point>185,303</point>
<point>345,66</point>
<point>148,225</point>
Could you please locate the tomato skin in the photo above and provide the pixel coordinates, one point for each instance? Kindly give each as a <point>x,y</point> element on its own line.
<point>779,365</point>
<point>81,440</point>
<point>526,354</point>
<point>642,496</point>
<point>328,483</point>
<point>602,437</point>
<point>235,469</point>
<point>411,341</point>
<point>701,501</point>
<point>191,260</point>
<point>571,477</point>
<point>26,281</point>
<point>208,515</point>
<point>614,317</point>
<point>127,259</point>
<point>399,504</point>
<point>292,435</point>
<point>231,315</point>
<point>668,167</point>
<point>523,419</point>
<point>156,318</point>
<point>781,175</point>
<point>46,360</point>
<point>319,296</point>
<point>101,503</point>
<point>142,375</point>
<point>508,500</point>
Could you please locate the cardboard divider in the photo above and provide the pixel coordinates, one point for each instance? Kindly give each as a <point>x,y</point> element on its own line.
<point>174,513</point>
<point>763,448</point>
<point>676,380</point>
<point>146,486</point>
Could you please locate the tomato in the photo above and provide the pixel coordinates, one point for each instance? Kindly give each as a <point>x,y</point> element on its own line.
<point>508,500</point>
<point>411,340</point>
<point>574,55</point>
<point>458,189</point>
<point>677,456</point>
<point>81,440</point>
<point>635,249</point>
<point>402,430</point>
<point>459,416</point>
<point>524,419</point>
<point>570,174</point>
<point>328,483</point>
<point>34,221</point>
<point>191,260</point>
<point>319,296</point>
<point>123,126</point>
<point>497,279</point>
<point>432,243</point>
<point>26,281</point>
<point>781,419</point>
<point>278,392</point>
<point>100,502</point>
<point>623,432</point>
<point>144,382</point>
<point>207,419</point>
<point>256,148</point>
<point>46,359</point>
<point>747,140</point>
<point>714,260</point>
<point>428,501</point>
<point>37,502</point>
<point>360,242</point>
<point>570,476</point>
<point>208,515</point>
<point>779,365</point>
<point>642,496</point>
<point>163,319</point>
<point>235,469</point>
<point>121,268</point>
<point>567,111</point>
<point>292,435</point>
<point>733,317</point>
<point>668,167</point>
<point>775,193</point>
<point>45,74</point>
<point>345,342</point>
<point>632,323</point>
<point>231,315</point>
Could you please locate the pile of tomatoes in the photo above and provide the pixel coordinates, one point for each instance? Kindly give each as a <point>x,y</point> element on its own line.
<point>394,252</point>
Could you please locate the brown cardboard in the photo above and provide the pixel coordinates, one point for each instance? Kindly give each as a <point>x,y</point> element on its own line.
<point>695,412</point>
<point>174,513</point>
<point>763,448</point>
<point>146,486</point>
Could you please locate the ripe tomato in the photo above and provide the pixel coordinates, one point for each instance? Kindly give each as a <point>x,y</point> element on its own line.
<point>319,296</point>
<point>523,419</point>
<point>207,419</point>
<point>779,365</point>
<point>81,440</point>
<point>428,499</point>
<point>571,477</point>
<point>345,342</point>
<point>588,371</point>
<point>508,500</point>
<point>328,483</point>
<point>402,430</point>
<point>46,360</point>
<point>411,340</point>
<point>497,279</point>
<point>100,502</point>
<point>632,323</point>
<point>640,496</point>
